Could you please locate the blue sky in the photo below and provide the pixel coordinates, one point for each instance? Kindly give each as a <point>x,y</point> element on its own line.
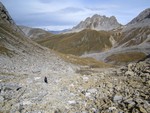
<point>63,14</point>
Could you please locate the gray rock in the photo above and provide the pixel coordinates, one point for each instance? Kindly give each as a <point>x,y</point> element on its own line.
<point>131,105</point>
<point>148,82</point>
<point>142,110</point>
<point>92,90</point>
<point>142,16</point>
<point>97,22</point>
<point>117,98</point>
<point>139,101</point>
<point>129,73</point>
<point>1,99</point>
<point>131,66</point>
<point>72,102</point>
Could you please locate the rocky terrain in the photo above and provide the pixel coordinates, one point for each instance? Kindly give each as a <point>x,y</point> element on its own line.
<point>97,22</point>
<point>142,20</point>
<point>122,90</point>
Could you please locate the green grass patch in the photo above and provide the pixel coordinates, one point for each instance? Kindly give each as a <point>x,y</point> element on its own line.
<point>125,57</point>
<point>92,63</point>
<point>85,41</point>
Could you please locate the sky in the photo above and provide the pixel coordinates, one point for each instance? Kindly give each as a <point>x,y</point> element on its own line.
<point>64,14</point>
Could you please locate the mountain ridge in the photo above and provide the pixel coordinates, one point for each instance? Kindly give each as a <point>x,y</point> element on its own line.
<point>131,38</point>
<point>97,22</point>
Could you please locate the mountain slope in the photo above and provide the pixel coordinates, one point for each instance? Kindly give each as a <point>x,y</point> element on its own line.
<point>143,16</point>
<point>20,54</point>
<point>35,33</point>
<point>142,20</point>
<point>133,43</point>
<point>109,46</point>
<point>83,42</point>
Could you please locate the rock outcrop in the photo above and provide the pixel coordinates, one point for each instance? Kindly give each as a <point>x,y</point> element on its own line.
<point>141,21</point>
<point>144,15</point>
<point>97,22</point>
<point>4,15</point>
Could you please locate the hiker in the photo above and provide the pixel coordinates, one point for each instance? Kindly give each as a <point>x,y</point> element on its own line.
<point>45,80</point>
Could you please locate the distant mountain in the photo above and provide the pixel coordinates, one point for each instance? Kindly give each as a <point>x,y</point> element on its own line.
<point>118,46</point>
<point>137,31</point>
<point>133,43</point>
<point>97,22</point>
<point>35,33</point>
<point>59,31</point>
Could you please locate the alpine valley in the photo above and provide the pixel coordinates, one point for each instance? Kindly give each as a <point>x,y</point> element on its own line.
<point>98,66</point>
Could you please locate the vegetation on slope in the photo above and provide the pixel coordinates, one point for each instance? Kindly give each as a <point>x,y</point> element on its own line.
<point>125,57</point>
<point>5,51</point>
<point>92,63</point>
<point>79,43</point>
<point>35,33</point>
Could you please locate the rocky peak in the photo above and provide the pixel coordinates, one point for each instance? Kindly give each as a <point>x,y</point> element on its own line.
<point>5,18</point>
<point>4,15</point>
<point>144,15</point>
<point>98,22</point>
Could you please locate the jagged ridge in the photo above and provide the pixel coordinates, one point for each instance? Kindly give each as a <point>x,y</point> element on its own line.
<point>97,22</point>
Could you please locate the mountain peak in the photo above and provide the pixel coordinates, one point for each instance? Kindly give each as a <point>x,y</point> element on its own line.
<point>141,17</point>
<point>97,22</point>
<point>97,16</point>
<point>4,15</point>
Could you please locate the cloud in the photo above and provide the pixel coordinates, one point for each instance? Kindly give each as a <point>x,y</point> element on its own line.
<point>71,10</point>
<point>65,13</point>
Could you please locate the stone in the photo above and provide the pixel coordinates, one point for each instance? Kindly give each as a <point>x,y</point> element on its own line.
<point>129,100</point>
<point>145,96</point>
<point>129,73</point>
<point>111,108</point>
<point>130,67</point>
<point>1,99</point>
<point>85,78</point>
<point>110,85</point>
<point>26,102</point>
<point>117,98</point>
<point>87,94</point>
<point>138,100</point>
<point>148,82</point>
<point>92,90</point>
<point>131,105</point>
<point>57,111</point>
<point>72,102</point>
<point>142,109</point>
<point>37,78</point>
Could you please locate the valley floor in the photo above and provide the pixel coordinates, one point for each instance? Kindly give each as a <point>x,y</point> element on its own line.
<point>88,91</point>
